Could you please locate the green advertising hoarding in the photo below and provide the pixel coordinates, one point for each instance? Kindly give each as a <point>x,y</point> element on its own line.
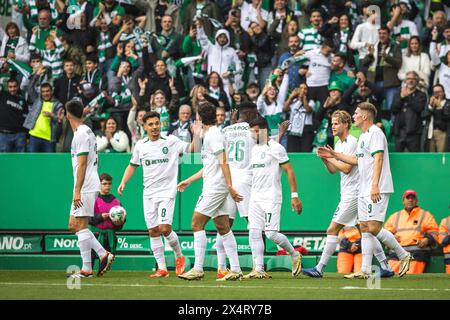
<point>314,243</point>
<point>20,243</point>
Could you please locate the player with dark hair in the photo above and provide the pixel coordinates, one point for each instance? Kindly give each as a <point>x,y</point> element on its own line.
<point>268,159</point>
<point>87,186</point>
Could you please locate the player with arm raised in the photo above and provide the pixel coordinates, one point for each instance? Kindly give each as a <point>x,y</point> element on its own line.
<point>346,213</point>
<point>268,159</point>
<point>159,157</point>
<point>239,145</point>
<point>86,187</point>
<point>375,187</point>
<point>212,203</point>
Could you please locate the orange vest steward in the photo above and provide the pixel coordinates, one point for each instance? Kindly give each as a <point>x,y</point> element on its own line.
<point>444,230</point>
<point>411,228</point>
<point>351,233</point>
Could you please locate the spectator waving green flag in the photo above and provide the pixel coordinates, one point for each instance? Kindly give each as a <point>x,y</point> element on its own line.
<point>21,67</point>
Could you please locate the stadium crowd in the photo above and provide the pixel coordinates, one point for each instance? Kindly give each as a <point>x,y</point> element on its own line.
<point>297,60</point>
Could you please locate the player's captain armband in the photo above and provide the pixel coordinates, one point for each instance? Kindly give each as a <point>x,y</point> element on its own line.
<point>294,195</point>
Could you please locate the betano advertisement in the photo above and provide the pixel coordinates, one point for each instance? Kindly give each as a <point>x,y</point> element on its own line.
<point>20,243</point>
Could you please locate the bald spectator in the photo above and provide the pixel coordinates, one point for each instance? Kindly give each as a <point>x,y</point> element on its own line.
<point>182,127</point>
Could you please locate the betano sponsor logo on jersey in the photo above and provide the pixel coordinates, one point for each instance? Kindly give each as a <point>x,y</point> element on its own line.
<point>156,161</point>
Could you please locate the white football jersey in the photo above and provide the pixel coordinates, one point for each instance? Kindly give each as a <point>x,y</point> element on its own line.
<point>239,144</point>
<point>371,142</point>
<point>350,181</point>
<point>213,145</point>
<point>85,143</point>
<point>266,182</point>
<point>159,160</point>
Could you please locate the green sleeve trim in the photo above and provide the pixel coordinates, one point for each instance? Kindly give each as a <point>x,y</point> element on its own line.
<point>134,165</point>
<point>284,162</point>
<point>219,152</point>
<point>375,152</point>
<point>82,153</point>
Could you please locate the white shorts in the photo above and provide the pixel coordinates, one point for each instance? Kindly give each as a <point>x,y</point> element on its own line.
<point>158,211</point>
<point>346,212</point>
<point>264,215</point>
<point>368,211</point>
<point>213,205</point>
<point>87,209</point>
<point>244,190</point>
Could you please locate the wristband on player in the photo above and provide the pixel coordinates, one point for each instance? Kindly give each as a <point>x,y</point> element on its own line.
<point>294,195</point>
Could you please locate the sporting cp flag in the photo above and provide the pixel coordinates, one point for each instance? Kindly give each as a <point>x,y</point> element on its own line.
<point>21,67</point>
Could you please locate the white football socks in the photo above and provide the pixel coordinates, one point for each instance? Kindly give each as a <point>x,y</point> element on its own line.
<point>174,243</point>
<point>367,252</point>
<point>230,245</point>
<point>379,254</point>
<point>95,245</point>
<point>257,246</point>
<point>221,254</point>
<point>84,242</point>
<point>330,248</point>
<point>199,249</point>
<point>157,247</point>
<point>281,240</point>
<point>389,241</point>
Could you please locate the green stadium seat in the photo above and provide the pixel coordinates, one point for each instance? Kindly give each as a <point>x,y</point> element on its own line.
<point>170,262</point>
<point>279,263</point>
<point>246,262</point>
<point>210,263</point>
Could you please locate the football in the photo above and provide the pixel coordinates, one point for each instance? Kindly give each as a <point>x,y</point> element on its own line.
<point>117,214</point>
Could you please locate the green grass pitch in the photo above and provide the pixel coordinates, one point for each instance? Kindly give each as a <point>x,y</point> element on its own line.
<point>136,285</point>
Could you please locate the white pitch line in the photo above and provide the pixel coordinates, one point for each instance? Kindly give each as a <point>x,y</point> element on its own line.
<point>217,286</point>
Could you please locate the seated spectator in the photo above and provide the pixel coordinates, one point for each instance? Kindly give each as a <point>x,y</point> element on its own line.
<point>301,130</point>
<point>349,258</point>
<point>407,109</point>
<point>197,97</point>
<point>182,127</point>
<point>252,92</point>
<point>110,139</point>
<point>271,102</point>
<point>101,225</point>
<point>415,230</point>
<point>444,240</point>
<point>13,109</point>
<point>383,62</point>
<point>416,60</point>
<point>45,115</point>
<point>13,46</point>
<point>437,119</point>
